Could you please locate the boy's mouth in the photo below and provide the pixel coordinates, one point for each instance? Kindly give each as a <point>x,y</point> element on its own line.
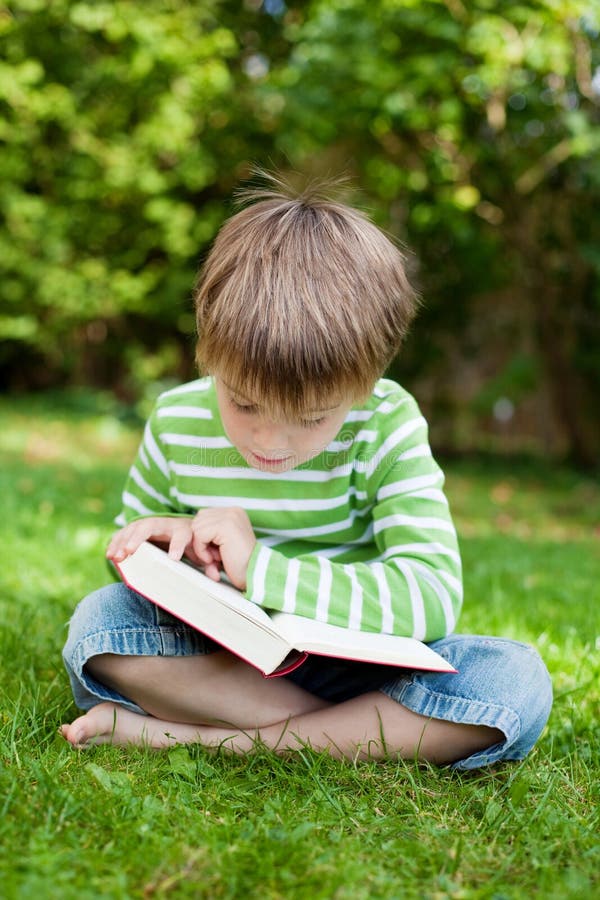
<point>270,462</point>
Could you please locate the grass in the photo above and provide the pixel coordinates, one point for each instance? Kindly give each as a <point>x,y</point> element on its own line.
<point>134,823</point>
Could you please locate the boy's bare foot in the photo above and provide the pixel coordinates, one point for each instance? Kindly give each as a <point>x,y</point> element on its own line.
<point>352,729</point>
<point>108,723</point>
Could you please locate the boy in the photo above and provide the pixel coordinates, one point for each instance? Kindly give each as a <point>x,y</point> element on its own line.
<point>311,484</point>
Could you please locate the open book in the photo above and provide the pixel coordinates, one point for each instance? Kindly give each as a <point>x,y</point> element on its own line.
<point>274,642</point>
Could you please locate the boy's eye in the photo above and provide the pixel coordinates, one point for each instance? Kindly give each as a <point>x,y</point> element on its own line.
<point>253,408</point>
<point>243,407</point>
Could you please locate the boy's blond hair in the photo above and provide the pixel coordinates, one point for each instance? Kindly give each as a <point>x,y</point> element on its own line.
<point>302,300</point>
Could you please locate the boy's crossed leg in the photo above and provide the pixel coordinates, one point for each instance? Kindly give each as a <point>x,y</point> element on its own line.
<point>220,701</point>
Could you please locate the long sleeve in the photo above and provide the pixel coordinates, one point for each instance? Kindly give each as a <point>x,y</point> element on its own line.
<point>410,580</point>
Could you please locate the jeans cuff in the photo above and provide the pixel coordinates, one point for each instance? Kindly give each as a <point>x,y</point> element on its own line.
<point>433,705</point>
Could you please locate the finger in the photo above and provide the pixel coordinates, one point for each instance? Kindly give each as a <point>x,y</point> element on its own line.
<point>116,540</point>
<point>213,571</point>
<point>215,563</point>
<point>116,548</point>
<point>202,548</point>
<point>191,556</point>
<point>205,556</point>
<point>126,550</point>
<point>178,543</point>
<point>215,552</point>
<point>127,541</point>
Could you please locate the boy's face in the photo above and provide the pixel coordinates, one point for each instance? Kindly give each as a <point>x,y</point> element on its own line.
<point>276,445</point>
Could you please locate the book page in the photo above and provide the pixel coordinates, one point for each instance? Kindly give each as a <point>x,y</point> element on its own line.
<point>333,640</point>
<point>218,610</point>
<point>219,591</point>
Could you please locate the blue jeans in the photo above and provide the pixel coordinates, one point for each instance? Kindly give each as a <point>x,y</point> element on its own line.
<point>500,683</point>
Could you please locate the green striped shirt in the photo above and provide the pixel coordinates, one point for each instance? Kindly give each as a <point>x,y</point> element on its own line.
<point>359,536</point>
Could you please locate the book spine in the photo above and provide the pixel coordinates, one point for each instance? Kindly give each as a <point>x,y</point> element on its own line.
<point>287,667</point>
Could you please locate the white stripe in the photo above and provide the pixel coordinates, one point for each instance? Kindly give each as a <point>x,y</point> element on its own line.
<point>133,503</point>
<point>359,415</point>
<point>285,505</point>
<point>364,436</point>
<point>201,384</point>
<point>419,522</point>
<point>420,549</point>
<point>291,585</point>
<point>339,446</point>
<point>184,412</point>
<point>147,488</point>
<point>385,598</point>
<point>406,485</point>
<point>415,453</point>
<point>193,440</point>
<point>356,599</point>
<point>120,520</point>
<point>389,406</point>
<point>331,528</point>
<point>340,549</point>
<point>416,600</point>
<point>395,438</point>
<point>144,457</point>
<point>247,473</point>
<point>324,593</point>
<point>331,552</point>
<point>154,451</point>
<point>442,593</point>
<point>454,582</point>
<point>271,540</point>
<point>260,574</point>
<point>431,494</point>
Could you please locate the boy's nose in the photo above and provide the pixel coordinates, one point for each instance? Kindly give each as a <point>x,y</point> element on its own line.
<point>271,439</point>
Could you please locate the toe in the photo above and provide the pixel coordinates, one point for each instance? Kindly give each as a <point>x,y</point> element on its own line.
<point>73,733</point>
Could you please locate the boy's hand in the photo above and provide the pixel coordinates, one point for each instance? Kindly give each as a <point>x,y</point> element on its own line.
<point>214,539</point>
<point>174,531</point>
<point>223,537</point>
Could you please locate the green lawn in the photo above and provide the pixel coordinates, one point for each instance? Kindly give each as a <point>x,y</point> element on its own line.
<point>115,823</point>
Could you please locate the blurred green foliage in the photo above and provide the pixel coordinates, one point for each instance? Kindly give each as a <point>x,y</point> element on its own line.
<point>471,128</point>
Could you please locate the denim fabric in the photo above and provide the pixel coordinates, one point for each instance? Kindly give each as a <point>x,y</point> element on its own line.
<point>115,619</point>
<point>500,683</point>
